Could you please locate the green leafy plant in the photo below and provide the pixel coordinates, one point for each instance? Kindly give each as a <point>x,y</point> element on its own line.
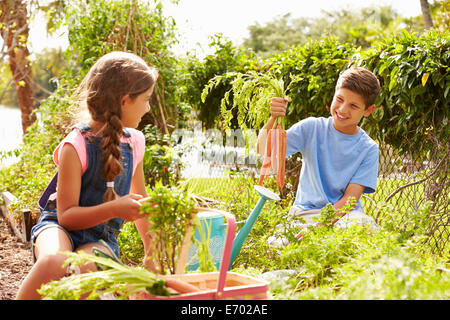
<point>415,223</point>
<point>414,98</point>
<point>115,278</point>
<point>328,214</point>
<point>251,94</point>
<point>226,58</point>
<point>130,244</point>
<point>161,161</point>
<point>98,27</point>
<point>205,258</point>
<point>169,211</point>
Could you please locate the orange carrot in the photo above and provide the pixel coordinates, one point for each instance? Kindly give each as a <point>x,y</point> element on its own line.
<point>181,286</point>
<point>281,138</point>
<point>274,151</point>
<point>280,151</point>
<point>266,159</point>
<point>283,157</point>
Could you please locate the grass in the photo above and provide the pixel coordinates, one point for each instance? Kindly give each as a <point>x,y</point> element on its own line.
<point>333,263</point>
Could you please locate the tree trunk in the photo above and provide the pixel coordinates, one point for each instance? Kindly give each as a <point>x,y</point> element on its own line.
<point>14,31</point>
<point>426,14</point>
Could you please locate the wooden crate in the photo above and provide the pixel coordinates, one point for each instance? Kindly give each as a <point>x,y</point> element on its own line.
<point>237,287</point>
<point>222,284</point>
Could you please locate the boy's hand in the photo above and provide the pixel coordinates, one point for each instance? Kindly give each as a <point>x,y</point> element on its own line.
<point>278,107</point>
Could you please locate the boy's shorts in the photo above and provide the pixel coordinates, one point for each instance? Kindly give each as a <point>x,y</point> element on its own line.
<point>310,216</point>
<point>355,216</point>
<point>48,219</point>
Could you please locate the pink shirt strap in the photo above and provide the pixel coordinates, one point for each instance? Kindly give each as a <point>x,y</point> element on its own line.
<point>76,139</point>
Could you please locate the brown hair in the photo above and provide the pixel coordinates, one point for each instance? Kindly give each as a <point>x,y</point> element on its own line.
<point>113,76</point>
<point>361,81</point>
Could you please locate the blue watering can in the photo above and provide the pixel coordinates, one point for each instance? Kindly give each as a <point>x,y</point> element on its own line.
<point>213,230</point>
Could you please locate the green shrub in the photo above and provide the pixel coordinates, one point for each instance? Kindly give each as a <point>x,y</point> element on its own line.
<point>414,73</point>
<point>226,58</point>
<point>316,67</point>
<point>161,161</point>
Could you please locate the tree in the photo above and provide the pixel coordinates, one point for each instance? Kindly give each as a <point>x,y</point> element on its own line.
<point>226,58</point>
<point>97,27</point>
<point>441,15</point>
<point>14,31</point>
<point>360,26</point>
<point>277,35</point>
<point>425,6</point>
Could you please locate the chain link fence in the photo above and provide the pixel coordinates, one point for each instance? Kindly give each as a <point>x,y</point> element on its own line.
<point>412,190</point>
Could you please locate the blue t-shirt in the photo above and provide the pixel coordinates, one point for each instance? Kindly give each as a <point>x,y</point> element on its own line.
<point>330,161</point>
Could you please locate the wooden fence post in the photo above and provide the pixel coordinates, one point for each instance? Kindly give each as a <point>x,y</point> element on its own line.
<point>27,223</point>
<point>21,231</point>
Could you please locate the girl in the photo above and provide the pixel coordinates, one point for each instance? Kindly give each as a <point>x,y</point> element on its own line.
<point>100,180</point>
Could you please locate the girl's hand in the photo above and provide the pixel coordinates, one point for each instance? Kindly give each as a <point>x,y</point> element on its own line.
<point>128,207</point>
<point>150,264</point>
<point>278,107</point>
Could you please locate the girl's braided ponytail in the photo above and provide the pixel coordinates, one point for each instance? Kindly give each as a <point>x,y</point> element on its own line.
<point>111,153</point>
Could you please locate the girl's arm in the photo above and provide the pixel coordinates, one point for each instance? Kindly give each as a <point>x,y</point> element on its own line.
<point>142,224</point>
<point>73,217</point>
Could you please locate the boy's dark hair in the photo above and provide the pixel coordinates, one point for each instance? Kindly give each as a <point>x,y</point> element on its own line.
<point>361,81</point>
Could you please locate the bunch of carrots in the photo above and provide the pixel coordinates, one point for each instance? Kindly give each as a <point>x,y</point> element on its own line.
<point>274,154</point>
<point>252,92</point>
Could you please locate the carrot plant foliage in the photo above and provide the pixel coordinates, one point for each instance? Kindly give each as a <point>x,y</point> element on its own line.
<point>250,95</point>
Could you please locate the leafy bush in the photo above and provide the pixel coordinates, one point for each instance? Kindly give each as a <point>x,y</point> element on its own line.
<point>315,68</point>
<point>98,27</point>
<point>161,161</point>
<point>414,74</point>
<point>169,211</point>
<point>227,58</point>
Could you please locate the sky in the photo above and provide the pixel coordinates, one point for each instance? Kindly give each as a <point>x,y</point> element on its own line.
<point>197,20</point>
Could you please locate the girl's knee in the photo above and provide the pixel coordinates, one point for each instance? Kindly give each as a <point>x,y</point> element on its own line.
<point>88,248</point>
<point>52,264</point>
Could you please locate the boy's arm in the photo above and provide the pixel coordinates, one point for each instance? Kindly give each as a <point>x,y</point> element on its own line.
<point>277,109</point>
<point>353,190</point>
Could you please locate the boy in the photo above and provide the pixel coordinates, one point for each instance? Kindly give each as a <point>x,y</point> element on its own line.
<point>339,159</point>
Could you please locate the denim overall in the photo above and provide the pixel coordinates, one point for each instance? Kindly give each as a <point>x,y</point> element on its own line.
<point>93,186</point>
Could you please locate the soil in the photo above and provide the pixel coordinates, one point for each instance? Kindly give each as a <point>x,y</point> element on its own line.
<point>15,261</point>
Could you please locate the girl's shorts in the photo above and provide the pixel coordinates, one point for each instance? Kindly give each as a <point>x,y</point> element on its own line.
<point>49,219</point>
